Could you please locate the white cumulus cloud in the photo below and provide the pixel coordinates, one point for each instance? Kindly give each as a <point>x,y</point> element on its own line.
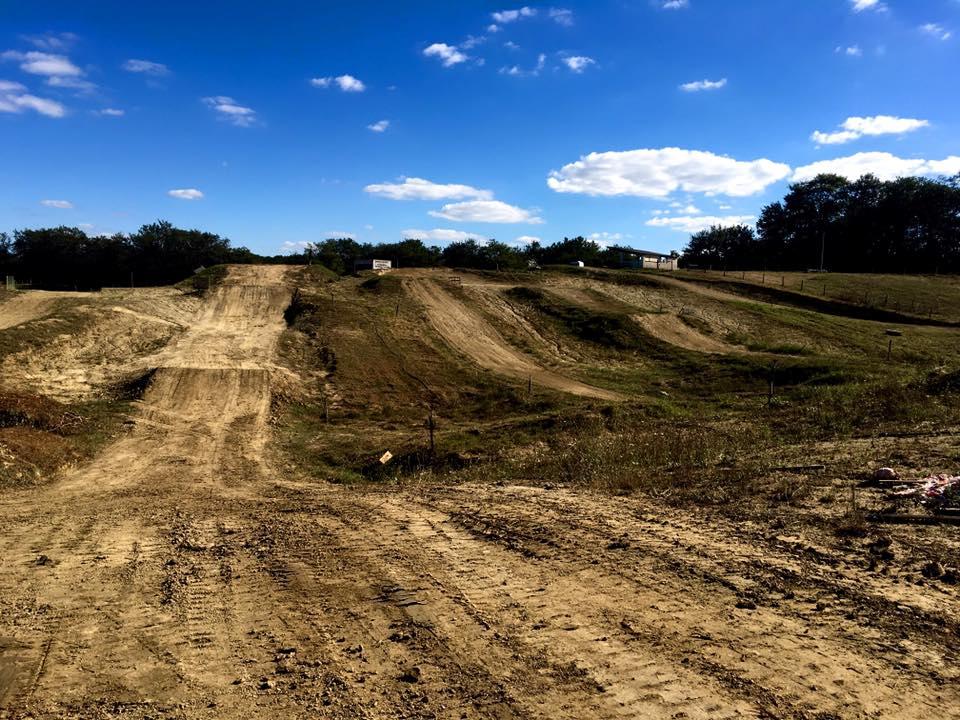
<point>854,128</point>
<point>508,16</point>
<point>59,204</point>
<point>146,67</point>
<point>656,173</point>
<point>412,188</point>
<point>448,55</point>
<point>486,211</point>
<point>185,194</point>
<point>348,83</point>
<point>699,85</point>
<point>882,164</point>
<point>229,110</point>
<point>578,63</point>
<point>675,4</point>
<point>697,223</point>
<point>379,126</point>
<point>527,240</point>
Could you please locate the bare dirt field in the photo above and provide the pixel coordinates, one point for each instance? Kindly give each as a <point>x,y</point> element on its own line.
<point>193,570</point>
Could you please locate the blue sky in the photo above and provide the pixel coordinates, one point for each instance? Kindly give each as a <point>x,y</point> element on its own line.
<point>633,121</point>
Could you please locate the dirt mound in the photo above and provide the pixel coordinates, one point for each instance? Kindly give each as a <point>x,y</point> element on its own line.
<point>83,349</point>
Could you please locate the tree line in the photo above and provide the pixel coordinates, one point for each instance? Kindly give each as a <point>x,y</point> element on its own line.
<point>908,225</point>
<point>340,254</point>
<point>66,258</point>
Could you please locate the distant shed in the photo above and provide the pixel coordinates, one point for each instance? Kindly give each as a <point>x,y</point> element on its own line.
<point>644,259</point>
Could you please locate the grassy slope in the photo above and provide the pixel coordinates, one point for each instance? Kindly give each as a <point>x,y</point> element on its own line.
<point>913,296</point>
<point>367,351</point>
<point>38,436</point>
<point>370,359</point>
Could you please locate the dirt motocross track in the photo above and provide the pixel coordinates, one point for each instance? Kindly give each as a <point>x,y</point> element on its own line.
<point>184,574</point>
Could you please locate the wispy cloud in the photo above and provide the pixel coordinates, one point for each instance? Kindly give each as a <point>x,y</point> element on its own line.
<point>146,67</point>
<point>561,16</point>
<point>412,188</point>
<point>58,204</point>
<point>14,98</point>
<point>861,5</point>
<point>52,41</point>
<point>229,110</point>
<point>379,126</point>
<point>517,71</point>
<point>441,235</point>
<point>185,194</point>
<point>41,63</point>
<point>448,55</point>
<point>72,83</point>
<point>700,85</point>
<point>936,30</point>
<point>675,4</point>
<point>112,112</point>
<point>854,128</point>
<point>849,51</point>
<point>696,223</point>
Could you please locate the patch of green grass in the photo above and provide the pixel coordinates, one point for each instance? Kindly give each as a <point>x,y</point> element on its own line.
<point>39,436</point>
<point>382,285</point>
<point>606,329</point>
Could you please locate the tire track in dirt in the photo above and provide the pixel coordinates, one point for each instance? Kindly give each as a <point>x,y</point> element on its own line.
<point>683,587</point>
<point>467,332</point>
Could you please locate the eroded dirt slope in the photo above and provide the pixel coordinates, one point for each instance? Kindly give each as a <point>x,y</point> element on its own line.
<point>470,334</point>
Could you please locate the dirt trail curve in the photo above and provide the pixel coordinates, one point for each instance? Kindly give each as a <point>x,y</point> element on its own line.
<point>469,333</point>
<point>182,576</point>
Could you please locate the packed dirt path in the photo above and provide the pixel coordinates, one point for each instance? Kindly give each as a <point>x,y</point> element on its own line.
<point>184,574</point>
<point>27,305</point>
<point>469,333</point>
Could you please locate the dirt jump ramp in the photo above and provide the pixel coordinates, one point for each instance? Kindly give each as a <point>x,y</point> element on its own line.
<point>468,333</point>
<point>208,401</point>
